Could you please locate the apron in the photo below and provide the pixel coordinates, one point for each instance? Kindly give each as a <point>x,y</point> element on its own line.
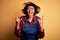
<point>30,31</point>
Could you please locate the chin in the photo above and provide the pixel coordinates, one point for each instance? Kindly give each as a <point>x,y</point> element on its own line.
<point>29,16</point>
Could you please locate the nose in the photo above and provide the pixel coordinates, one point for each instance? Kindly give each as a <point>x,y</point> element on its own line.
<point>30,10</point>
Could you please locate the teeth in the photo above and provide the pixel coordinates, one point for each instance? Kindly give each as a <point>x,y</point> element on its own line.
<point>30,12</point>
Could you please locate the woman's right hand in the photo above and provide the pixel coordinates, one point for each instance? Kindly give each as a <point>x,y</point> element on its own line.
<point>18,21</point>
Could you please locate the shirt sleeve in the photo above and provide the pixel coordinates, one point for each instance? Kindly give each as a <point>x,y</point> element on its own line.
<point>18,32</point>
<point>40,33</point>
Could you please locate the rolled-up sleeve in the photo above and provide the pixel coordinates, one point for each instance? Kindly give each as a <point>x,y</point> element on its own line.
<point>41,34</point>
<point>18,32</point>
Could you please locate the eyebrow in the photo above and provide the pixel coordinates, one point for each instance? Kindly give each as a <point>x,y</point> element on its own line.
<point>32,8</point>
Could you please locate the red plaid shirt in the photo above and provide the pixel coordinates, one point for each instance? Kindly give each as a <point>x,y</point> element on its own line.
<point>18,32</point>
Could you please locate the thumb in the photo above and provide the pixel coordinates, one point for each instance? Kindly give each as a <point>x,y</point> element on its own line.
<point>17,17</point>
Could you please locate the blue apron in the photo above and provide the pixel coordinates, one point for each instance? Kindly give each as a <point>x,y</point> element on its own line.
<point>30,31</point>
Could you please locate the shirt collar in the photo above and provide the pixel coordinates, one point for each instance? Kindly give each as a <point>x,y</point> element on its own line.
<point>34,18</point>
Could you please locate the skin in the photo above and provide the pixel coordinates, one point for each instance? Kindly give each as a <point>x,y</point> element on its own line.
<point>30,12</point>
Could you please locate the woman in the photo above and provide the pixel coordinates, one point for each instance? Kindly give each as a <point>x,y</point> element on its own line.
<point>30,26</point>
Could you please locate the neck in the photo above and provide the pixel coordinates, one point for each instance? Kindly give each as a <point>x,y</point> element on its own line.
<point>30,17</point>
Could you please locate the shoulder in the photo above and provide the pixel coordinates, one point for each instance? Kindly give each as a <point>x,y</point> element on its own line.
<point>22,17</point>
<point>38,17</point>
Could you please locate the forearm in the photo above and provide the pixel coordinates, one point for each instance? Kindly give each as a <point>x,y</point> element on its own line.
<point>18,24</point>
<point>41,27</point>
<point>41,33</point>
<point>18,29</point>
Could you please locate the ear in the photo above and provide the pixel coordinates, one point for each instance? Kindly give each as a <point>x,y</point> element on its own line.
<point>38,9</point>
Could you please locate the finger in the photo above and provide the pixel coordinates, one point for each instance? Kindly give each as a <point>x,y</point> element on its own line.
<point>17,17</point>
<point>42,21</point>
<point>42,18</point>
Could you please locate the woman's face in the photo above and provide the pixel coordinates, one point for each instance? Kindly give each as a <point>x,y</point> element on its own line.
<point>30,11</point>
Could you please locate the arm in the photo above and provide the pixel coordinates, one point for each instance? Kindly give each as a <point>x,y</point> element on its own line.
<point>41,30</point>
<point>18,27</point>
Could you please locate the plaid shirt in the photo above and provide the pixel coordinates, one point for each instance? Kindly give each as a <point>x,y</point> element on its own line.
<point>18,32</point>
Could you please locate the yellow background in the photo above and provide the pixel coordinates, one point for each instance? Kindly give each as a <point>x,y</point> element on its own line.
<point>50,10</point>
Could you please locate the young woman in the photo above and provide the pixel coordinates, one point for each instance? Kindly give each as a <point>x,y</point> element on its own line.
<point>30,26</point>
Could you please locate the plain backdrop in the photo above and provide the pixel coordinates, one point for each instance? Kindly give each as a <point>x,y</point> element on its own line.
<point>50,10</point>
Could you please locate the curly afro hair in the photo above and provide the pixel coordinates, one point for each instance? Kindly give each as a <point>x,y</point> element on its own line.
<point>37,8</point>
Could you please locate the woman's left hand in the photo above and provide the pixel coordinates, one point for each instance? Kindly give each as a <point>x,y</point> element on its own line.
<point>41,23</point>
